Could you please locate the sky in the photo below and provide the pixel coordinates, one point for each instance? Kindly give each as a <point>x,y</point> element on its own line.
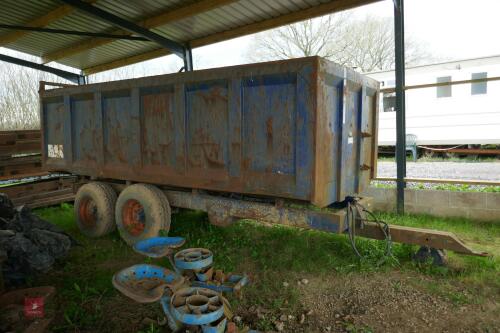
<point>453,29</point>
<point>450,29</point>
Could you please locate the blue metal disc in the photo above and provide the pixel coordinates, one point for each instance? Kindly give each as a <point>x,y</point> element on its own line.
<point>208,310</point>
<point>157,247</point>
<point>193,259</point>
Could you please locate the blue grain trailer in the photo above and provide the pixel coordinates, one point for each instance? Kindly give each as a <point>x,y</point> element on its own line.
<point>237,142</point>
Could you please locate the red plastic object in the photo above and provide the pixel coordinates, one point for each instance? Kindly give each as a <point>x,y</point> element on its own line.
<point>34,307</point>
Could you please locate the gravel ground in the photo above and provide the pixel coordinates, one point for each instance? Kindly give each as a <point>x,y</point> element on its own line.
<point>444,170</point>
<point>390,302</point>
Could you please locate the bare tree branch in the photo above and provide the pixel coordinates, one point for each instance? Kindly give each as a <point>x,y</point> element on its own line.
<point>367,43</point>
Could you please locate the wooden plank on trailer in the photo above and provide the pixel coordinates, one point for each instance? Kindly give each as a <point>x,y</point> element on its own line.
<point>20,190</point>
<point>51,201</point>
<point>42,195</point>
<point>29,159</point>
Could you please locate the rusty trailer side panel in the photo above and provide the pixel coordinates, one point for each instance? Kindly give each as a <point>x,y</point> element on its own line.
<point>302,129</point>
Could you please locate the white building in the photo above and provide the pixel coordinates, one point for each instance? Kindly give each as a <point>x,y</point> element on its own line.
<point>445,115</point>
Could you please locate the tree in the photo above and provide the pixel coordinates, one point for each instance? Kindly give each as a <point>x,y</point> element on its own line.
<point>366,44</point>
<point>19,96</point>
<point>303,39</point>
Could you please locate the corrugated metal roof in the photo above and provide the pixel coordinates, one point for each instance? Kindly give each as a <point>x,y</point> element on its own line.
<point>198,23</point>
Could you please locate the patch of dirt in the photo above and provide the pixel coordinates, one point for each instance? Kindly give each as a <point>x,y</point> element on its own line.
<point>386,302</point>
<point>130,316</point>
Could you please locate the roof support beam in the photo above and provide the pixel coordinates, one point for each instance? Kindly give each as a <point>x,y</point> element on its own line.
<point>150,23</point>
<point>319,10</point>
<point>172,46</point>
<point>41,21</point>
<point>75,78</point>
<point>72,32</point>
<point>399,39</point>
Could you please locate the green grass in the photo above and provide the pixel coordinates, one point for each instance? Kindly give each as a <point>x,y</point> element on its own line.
<point>83,281</point>
<point>478,275</point>
<point>467,188</point>
<point>270,255</point>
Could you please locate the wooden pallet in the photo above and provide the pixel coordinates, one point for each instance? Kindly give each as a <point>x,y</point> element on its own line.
<point>20,154</point>
<point>42,192</point>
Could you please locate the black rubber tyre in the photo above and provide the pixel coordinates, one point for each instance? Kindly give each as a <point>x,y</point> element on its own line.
<point>141,211</point>
<point>425,253</point>
<point>95,209</point>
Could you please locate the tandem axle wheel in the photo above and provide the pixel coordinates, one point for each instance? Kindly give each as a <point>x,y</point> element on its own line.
<point>140,211</point>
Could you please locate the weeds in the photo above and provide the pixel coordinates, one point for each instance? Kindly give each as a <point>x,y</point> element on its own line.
<point>82,307</point>
<point>151,329</point>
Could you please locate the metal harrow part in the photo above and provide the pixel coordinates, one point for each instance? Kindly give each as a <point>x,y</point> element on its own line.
<point>158,247</point>
<point>191,295</point>
<point>196,260</point>
<point>146,283</point>
<point>197,306</point>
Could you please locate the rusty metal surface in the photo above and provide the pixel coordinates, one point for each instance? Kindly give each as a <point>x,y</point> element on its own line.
<point>223,211</point>
<point>220,208</point>
<point>300,129</point>
<point>146,283</point>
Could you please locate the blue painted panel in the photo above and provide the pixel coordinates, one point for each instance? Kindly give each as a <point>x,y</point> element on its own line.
<point>54,117</point>
<point>322,222</point>
<point>207,126</point>
<point>118,132</point>
<point>235,128</point>
<point>334,90</point>
<point>157,117</point>
<point>305,148</point>
<point>86,129</point>
<point>269,121</point>
<point>349,168</point>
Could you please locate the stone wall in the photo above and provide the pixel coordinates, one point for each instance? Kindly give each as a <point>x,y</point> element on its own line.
<point>479,206</point>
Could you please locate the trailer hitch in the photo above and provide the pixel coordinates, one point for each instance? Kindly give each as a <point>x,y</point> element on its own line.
<point>432,242</point>
<point>416,236</point>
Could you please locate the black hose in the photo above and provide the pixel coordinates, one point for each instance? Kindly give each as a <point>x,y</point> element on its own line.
<point>351,223</point>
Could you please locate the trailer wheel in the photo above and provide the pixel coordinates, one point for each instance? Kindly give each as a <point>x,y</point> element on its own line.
<point>95,209</point>
<point>142,210</point>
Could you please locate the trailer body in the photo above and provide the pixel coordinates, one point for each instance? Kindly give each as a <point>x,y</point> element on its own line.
<point>303,129</point>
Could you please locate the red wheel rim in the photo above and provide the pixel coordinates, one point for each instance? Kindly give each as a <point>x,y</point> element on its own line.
<point>133,217</point>
<point>87,212</point>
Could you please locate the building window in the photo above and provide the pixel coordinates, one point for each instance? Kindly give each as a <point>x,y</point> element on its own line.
<point>389,102</point>
<point>445,90</point>
<point>479,88</point>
